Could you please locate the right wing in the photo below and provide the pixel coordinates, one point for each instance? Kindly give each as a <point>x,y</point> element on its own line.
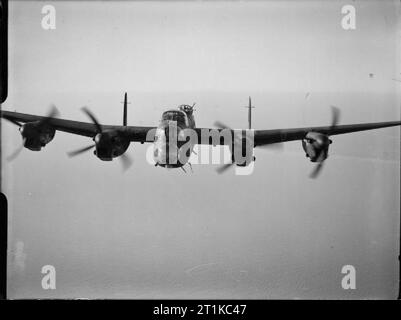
<point>265,137</point>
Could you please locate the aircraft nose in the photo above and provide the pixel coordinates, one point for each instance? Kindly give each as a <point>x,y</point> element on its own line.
<point>170,130</point>
<point>160,154</point>
<point>159,146</point>
<point>157,153</point>
<point>165,151</point>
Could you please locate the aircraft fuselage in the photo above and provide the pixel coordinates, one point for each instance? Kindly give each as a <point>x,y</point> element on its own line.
<point>169,137</point>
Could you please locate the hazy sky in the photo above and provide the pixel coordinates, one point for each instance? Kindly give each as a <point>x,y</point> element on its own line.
<point>156,233</point>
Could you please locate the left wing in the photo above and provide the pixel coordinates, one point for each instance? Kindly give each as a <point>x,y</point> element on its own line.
<point>133,133</point>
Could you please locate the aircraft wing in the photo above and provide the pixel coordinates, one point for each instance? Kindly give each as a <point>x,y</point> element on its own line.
<point>264,137</point>
<point>138,133</point>
<point>134,133</point>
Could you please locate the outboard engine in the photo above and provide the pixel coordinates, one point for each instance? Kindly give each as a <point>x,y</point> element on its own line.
<point>316,146</point>
<point>36,135</point>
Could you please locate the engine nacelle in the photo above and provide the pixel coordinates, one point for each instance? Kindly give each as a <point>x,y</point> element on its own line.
<point>36,135</point>
<point>316,146</point>
<point>109,145</point>
<point>242,148</point>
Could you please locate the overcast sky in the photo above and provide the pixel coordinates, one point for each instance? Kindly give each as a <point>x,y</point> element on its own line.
<point>156,233</point>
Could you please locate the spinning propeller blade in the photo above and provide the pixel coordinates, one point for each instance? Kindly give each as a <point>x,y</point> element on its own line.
<point>126,161</point>
<point>79,151</point>
<point>335,118</point>
<point>274,146</point>
<point>316,170</point>
<point>223,168</point>
<point>221,125</point>
<point>98,129</point>
<point>15,154</point>
<point>53,112</point>
<point>93,118</point>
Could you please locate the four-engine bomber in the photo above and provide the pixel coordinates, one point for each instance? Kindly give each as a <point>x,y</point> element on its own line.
<point>171,148</point>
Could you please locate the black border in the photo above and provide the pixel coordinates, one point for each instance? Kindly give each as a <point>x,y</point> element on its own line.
<point>3,96</point>
<point>3,50</point>
<point>3,199</point>
<point>3,246</point>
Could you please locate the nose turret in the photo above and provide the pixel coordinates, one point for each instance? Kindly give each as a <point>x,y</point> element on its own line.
<point>187,108</point>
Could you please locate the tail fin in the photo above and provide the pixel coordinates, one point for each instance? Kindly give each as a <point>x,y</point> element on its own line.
<point>125,110</point>
<point>250,106</point>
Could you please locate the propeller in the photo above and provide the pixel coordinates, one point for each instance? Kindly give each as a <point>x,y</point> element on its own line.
<point>335,118</point>
<point>125,159</point>
<point>15,154</point>
<point>224,168</point>
<point>316,170</point>
<point>93,118</point>
<point>221,125</point>
<point>98,130</point>
<point>274,146</point>
<point>278,145</point>
<point>79,151</point>
<point>52,113</point>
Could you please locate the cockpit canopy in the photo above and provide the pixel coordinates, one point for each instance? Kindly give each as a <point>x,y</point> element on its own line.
<point>174,115</point>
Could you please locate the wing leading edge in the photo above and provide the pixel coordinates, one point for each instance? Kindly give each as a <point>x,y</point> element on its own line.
<point>263,137</point>
<point>134,133</point>
<point>139,133</point>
